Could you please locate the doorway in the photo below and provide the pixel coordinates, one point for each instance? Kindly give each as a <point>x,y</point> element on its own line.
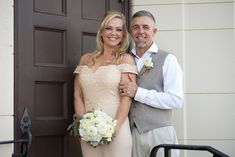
<point>50,37</point>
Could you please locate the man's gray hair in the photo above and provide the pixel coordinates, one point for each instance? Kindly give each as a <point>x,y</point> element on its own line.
<point>143,13</point>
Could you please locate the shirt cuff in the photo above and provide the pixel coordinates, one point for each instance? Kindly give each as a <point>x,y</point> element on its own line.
<point>140,94</point>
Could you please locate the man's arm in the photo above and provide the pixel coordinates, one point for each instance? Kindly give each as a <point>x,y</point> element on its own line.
<point>171,98</point>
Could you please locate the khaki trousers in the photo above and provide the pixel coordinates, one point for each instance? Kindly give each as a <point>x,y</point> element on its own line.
<point>144,143</point>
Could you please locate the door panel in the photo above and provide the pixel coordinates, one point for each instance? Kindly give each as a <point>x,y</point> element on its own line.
<point>50,37</point>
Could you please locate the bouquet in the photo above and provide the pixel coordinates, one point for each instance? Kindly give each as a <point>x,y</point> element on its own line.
<point>94,127</point>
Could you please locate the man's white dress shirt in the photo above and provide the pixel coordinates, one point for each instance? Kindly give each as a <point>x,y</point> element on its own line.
<point>172,97</point>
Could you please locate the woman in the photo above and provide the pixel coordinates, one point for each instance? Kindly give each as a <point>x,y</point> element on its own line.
<point>97,81</point>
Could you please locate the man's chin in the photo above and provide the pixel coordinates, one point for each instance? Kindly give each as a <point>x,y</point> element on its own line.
<point>141,45</point>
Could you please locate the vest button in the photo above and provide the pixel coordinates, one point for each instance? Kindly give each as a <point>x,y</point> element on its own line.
<point>134,116</point>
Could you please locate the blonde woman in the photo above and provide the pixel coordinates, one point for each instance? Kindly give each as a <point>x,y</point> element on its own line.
<point>96,84</point>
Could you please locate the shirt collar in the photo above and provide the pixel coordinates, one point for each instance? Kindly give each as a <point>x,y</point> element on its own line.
<point>153,49</point>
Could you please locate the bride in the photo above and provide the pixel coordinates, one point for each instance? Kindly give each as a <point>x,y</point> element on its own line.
<point>96,83</point>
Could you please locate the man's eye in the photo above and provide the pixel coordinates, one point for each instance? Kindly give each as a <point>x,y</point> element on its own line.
<point>135,27</point>
<point>146,27</point>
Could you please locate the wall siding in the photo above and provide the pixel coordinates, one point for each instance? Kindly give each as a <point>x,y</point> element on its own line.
<point>201,34</point>
<point>7,76</point>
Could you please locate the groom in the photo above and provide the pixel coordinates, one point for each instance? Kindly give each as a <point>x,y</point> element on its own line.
<point>158,89</point>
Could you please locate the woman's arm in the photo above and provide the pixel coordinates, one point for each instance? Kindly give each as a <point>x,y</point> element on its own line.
<point>125,101</point>
<point>124,107</point>
<point>78,98</point>
<point>79,107</point>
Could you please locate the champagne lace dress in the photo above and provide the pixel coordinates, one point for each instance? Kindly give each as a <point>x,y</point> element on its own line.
<point>100,91</point>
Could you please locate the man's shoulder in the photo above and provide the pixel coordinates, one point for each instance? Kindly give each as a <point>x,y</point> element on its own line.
<point>161,51</point>
<point>166,54</point>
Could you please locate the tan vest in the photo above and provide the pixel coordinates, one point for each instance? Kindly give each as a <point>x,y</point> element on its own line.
<point>143,116</point>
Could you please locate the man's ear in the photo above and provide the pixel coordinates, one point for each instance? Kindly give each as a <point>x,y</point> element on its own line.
<point>155,30</point>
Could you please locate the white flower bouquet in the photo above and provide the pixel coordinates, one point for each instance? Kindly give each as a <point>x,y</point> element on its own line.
<point>95,127</point>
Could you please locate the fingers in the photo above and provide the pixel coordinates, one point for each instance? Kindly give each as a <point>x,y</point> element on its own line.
<point>126,94</point>
<point>131,78</point>
<point>121,90</point>
<point>127,91</point>
<point>124,90</point>
<point>128,88</point>
<point>122,87</point>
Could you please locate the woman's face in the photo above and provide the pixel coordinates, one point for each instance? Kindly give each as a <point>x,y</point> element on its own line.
<point>113,32</point>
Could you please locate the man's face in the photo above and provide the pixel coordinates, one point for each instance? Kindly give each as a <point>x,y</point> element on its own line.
<point>143,31</point>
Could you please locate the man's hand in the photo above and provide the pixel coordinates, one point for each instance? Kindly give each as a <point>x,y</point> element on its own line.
<point>128,88</point>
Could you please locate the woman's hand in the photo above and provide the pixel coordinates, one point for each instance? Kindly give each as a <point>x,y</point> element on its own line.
<point>117,129</point>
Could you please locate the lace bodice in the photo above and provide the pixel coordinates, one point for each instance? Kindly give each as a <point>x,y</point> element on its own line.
<point>100,86</point>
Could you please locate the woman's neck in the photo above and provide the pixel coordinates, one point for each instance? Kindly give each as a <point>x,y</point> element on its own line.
<point>108,54</point>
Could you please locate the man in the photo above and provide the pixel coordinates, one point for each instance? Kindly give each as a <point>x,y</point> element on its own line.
<point>158,89</point>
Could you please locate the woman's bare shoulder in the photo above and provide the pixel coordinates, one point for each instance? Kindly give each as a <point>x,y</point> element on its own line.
<point>85,58</point>
<point>127,58</point>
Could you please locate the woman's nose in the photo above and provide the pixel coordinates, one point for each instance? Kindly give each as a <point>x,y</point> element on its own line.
<point>113,32</point>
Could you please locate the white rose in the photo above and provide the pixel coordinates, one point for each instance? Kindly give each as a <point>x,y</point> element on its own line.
<point>148,64</point>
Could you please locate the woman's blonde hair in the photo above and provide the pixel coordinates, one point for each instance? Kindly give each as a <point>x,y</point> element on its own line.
<point>123,45</point>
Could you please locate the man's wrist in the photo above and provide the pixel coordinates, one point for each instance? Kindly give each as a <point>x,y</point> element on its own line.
<point>137,93</point>
<point>140,94</point>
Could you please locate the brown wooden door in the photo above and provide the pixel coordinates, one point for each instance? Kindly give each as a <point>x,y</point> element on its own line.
<point>50,37</point>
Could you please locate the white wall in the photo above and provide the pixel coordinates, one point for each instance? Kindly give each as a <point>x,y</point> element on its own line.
<point>6,75</point>
<point>201,34</point>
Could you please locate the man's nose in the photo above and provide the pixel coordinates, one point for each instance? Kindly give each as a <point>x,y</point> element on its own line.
<point>141,30</point>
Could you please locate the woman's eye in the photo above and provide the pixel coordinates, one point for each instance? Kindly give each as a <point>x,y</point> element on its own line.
<point>119,30</point>
<point>108,28</point>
